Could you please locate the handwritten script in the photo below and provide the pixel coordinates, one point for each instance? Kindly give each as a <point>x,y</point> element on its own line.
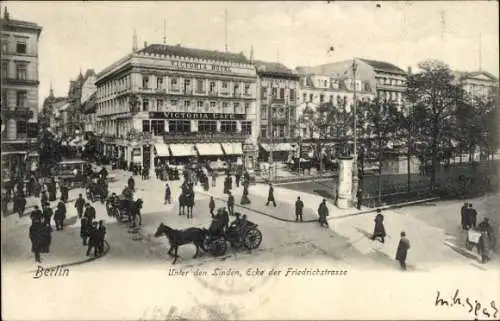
<point>474,307</point>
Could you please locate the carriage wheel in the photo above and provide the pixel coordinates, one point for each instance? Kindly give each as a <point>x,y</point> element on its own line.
<point>252,239</point>
<point>217,247</point>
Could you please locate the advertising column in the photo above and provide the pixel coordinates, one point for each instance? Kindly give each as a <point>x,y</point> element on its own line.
<point>345,183</point>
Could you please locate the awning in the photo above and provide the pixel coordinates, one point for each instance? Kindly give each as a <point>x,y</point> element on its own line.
<point>209,149</point>
<point>232,148</point>
<point>180,150</point>
<point>161,150</point>
<point>281,147</point>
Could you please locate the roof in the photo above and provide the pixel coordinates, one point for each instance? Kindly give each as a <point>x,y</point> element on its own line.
<point>89,73</point>
<point>383,66</point>
<point>274,68</point>
<point>458,75</point>
<point>180,51</point>
<point>20,23</point>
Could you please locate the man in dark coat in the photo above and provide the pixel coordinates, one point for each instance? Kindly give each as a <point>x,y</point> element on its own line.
<point>244,198</point>
<point>211,206</point>
<point>51,186</point>
<point>79,205</point>
<point>36,235</point>
<point>89,213</point>
<point>379,230</point>
<point>168,194</point>
<point>299,208</point>
<point>101,233</point>
<point>270,195</point>
<point>230,204</point>
<point>131,183</point>
<point>103,173</point>
<point>36,214</point>
<point>323,213</point>
<point>237,177</point>
<point>359,198</point>
<point>93,239</point>
<point>246,177</point>
<point>402,251</point>
<point>45,198</point>
<point>85,227</point>
<point>60,216</point>
<point>47,215</point>
<point>464,221</point>
<point>473,215</point>
<point>483,247</point>
<point>46,238</point>
<point>64,193</point>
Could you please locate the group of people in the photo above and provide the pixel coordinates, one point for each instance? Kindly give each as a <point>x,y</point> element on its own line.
<point>93,233</point>
<point>468,220</point>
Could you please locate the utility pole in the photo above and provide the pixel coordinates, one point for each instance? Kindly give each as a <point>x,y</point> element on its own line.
<point>355,153</point>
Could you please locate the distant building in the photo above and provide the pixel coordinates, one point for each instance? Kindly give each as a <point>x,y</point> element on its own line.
<point>89,108</point>
<point>277,90</point>
<point>477,84</point>
<point>19,104</point>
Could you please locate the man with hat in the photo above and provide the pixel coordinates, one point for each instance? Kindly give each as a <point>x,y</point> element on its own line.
<point>79,205</point>
<point>211,206</point>
<point>299,208</point>
<point>379,230</point>
<point>36,235</point>
<point>323,213</point>
<point>47,215</point>
<point>472,215</point>
<point>464,215</point>
<point>89,213</point>
<point>60,216</point>
<point>101,233</point>
<point>230,204</point>
<point>93,239</point>
<point>168,194</point>
<point>402,251</point>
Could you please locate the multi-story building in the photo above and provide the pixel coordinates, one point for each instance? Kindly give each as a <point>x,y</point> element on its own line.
<point>59,117</point>
<point>477,84</point>
<point>171,103</point>
<point>89,108</point>
<point>19,104</point>
<point>46,117</point>
<point>277,89</point>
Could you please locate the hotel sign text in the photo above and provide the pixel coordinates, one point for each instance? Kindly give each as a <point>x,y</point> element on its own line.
<point>200,66</point>
<point>202,116</point>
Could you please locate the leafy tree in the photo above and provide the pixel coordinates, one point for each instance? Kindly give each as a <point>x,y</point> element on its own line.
<point>435,98</point>
<point>49,152</point>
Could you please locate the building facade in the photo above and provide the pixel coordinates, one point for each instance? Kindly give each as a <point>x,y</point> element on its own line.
<point>19,104</point>
<point>89,108</point>
<point>277,90</point>
<point>173,104</point>
<point>477,84</point>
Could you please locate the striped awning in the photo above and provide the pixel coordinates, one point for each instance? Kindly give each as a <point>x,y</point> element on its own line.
<point>232,148</point>
<point>281,147</point>
<point>161,150</point>
<point>182,150</point>
<point>209,149</point>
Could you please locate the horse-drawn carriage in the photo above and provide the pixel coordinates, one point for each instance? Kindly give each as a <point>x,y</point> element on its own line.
<point>124,209</point>
<point>186,199</point>
<point>96,190</point>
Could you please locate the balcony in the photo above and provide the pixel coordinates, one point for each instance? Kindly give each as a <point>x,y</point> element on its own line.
<point>278,100</point>
<point>160,90</point>
<point>213,93</point>
<point>278,140</point>
<point>188,91</point>
<point>237,94</point>
<point>197,137</point>
<point>173,90</point>
<point>224,93</point>
<point>20,81</point>
<point>20,112</point>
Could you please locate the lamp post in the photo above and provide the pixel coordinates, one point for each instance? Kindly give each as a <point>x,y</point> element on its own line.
<point>355,152</point>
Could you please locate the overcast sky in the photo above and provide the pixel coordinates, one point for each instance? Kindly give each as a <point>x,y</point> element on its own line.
<point>94,34</point>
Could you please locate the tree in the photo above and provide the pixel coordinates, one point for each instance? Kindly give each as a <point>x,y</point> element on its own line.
<point>49,151</point>
<point>382,121</point>
<point>435,98</point>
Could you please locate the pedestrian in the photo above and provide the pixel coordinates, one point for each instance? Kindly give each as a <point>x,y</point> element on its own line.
<point>36,235</point>
<point>101,233</point>
<point>379,230</point>
<point>402,251</point>
<point>473,215</point>
<point>36,214</point>
<point>131,183</point>
<point>93,242</point>
<point>60,216</point>
<point>230,204</point>
<point>464,215</point>
<point>299,207</point>
<point>168,194</point>
<point>211,206</point>
<point>323,213</point>
<point>37,188</point>
<point>79,205</point>
<point>89,213</point>
<point>237,179</point>
<point>270,195</point>
<point>64,192</point>
<point>51,186</point>
<point>244,198</point>
<point>21,204</point>
<point>359,198</point>
<point>246,177</point>
<point>84,230</point>
<point>47,215</point>
<point>483,247</point>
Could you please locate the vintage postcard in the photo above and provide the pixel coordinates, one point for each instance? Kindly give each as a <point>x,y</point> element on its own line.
<point>177,160</point>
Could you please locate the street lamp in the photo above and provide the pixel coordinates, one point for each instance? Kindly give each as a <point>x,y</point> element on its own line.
<point>355,153</point>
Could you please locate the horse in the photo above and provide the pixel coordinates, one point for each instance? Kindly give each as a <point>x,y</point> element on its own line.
<point>186,201</point>
<point>177,238</point>
<point>134,211</point>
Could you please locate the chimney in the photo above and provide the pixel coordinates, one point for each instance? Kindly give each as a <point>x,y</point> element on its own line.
<point>145,44</point>
<point>409,71</point>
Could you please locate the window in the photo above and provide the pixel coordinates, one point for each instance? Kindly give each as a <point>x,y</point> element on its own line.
<point>281,129</point>
<point>331,98</point>
<point>292,112</point>
<point>21,99</point>
<point>157,127</point>
<point>263,92</point>
<point>224,84</point>
<point>237,108</point>
<point>145,81</point>
<point>228,126</point>
<point>282,93</point>
<point>5,45</point>
<point>145,105</point>
<point>173,82</point>
<point>32,130</point>
<point>263,131</point>
<point>159,82</point>
<point>22,127</point>
<point>173,102</point>
<point>199,85</point>
<point>247,108</point>
<point>21,47</point>
<point>212,104</point>
<point>275,92</point>
<point>187,84</point>
<point>246,127</point>
<point>21,71</point>
<point>292,94</point>
<point>263,112</point>
<point>224,107</point>
<point>207,126</point>
<point>179,126</point>
<point>212,86</point>
<point>247,89</point>
<point>310,98</point>
<point>187,103</point>
<point>235,89</point>
<point>5,69</point>
<point>145,126</point>
<point>159,104</point>
<point>199,104</point>
<point>304,97</point>
<point>321,98</point>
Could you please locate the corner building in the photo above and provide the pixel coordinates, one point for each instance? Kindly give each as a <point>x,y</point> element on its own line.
<point>174,104</point>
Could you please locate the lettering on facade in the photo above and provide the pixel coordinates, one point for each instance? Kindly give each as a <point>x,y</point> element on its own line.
<point>200,66</point>
<point>202,116</point>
